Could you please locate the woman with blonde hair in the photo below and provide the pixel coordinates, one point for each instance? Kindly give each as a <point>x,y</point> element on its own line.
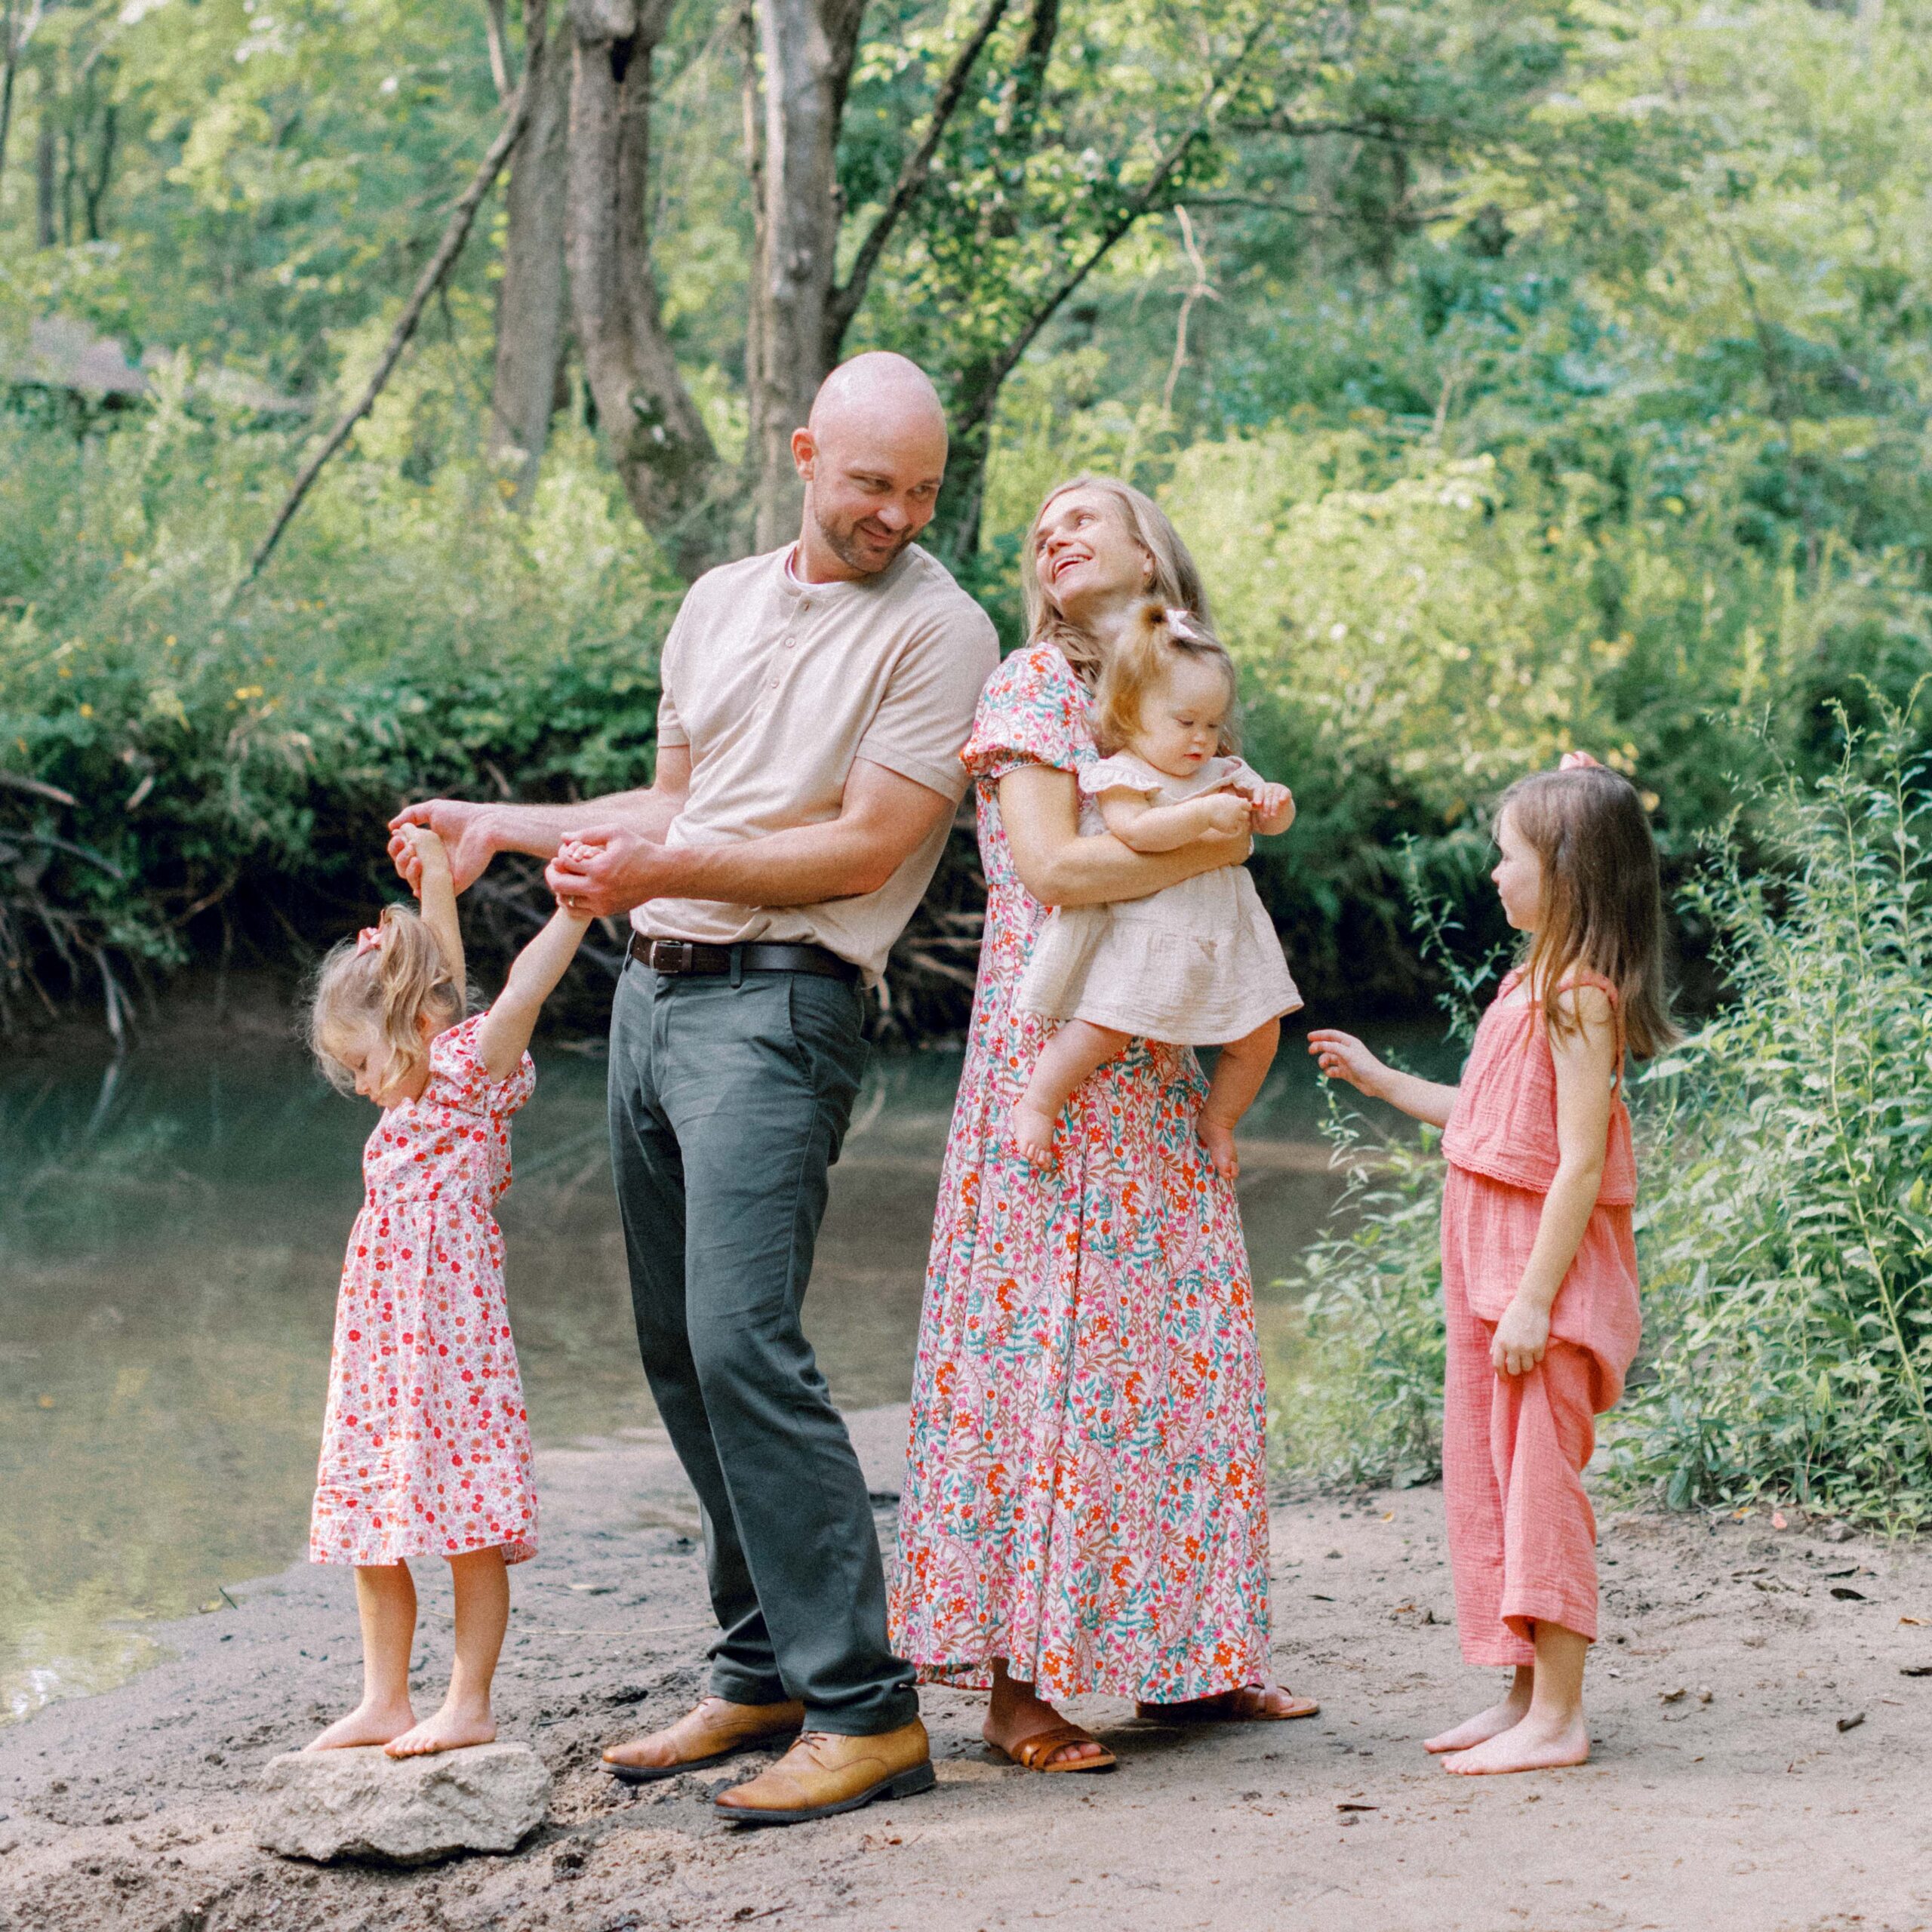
<point>1084,1509</point>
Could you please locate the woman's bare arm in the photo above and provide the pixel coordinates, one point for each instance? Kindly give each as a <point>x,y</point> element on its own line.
<point>1040,807</point>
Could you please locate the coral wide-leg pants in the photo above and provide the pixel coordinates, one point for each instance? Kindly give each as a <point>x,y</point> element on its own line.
<point>1522,1535</point>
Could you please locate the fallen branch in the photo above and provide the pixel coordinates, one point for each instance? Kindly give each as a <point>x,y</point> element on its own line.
<point>455,231</point>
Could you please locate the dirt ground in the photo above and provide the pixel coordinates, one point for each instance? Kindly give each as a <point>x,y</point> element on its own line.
<point>1762,1758</point>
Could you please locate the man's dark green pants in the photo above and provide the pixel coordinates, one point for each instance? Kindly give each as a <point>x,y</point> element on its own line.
<point>729,1097</point>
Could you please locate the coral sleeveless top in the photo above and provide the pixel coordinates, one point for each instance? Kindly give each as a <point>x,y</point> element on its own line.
<point>1504,1125</point>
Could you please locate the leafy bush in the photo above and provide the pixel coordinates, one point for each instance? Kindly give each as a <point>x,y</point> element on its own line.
<point>177,777</point>
<point>1787,1245</point>
<point>1784,1228</point>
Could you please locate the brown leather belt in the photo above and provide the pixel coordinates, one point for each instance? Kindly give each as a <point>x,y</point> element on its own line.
<point>677,957</point>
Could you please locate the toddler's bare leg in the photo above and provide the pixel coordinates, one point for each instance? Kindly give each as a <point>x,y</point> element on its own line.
<point>1066,1059</point>
<point>1238,1074</point>
<point>385,1603</point>
<point>482,1615</point>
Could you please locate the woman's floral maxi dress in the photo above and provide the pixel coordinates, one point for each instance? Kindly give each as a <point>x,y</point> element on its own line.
<point>1084,1492</point>
<point>425,1446</point>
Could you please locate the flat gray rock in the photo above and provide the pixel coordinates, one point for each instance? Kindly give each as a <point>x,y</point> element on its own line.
<point>359,1804</point>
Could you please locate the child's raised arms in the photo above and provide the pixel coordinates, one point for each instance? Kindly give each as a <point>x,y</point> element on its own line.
<point>534,973</point>
<point>429,879</point>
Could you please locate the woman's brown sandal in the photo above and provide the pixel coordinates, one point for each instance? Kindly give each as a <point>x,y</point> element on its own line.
<point>1247,1705</point>
<point>1035,1753</point>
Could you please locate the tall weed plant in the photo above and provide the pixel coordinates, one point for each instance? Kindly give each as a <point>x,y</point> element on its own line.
<point>1787,1236</point>
<point>1784,1226</point>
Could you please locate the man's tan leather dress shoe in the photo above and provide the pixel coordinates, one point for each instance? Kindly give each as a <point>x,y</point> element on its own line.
<point>824,1774</point>
<point>712,1731</point>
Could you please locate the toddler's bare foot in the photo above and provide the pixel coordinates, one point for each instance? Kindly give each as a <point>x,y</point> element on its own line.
<point>1218,1137</point>
<point>1484,1725</point>
<point>368,1724</point>
<point>1032,1130</point>
<point>1534,1745</point>
<point>450,1729</point>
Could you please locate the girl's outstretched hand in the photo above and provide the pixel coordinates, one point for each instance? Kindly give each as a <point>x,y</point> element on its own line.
<point>1274,810</point>
<point>1521,1337</point>
<point>1341,1056</point>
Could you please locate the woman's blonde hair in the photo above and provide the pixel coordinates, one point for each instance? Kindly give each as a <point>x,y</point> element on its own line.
<point>1175,581</point>
<point>1155,639</point>
<point>1602,907</point>
<point>384,983</point>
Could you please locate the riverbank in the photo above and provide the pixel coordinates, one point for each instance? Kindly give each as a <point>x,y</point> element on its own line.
<point>1748,1811</point>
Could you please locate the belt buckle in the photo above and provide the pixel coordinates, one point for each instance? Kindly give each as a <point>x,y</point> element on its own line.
<point>671,955</point>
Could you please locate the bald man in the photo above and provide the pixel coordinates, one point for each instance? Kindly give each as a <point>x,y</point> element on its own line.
<point>814,703</point>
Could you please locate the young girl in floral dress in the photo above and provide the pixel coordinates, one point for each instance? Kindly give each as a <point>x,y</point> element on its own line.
<point>1539,1269</point>
<point>1198,964</point>
<point>425,1445</point>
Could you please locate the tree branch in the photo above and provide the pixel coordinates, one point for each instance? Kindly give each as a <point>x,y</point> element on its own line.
<point>455,231</point>
<point>843,303</point>
<point>1124,218</point>
<point>495,31</point>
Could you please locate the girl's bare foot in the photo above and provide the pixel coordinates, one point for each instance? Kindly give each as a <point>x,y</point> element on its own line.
<point>1537,1744</point>
<point>452,1727</point>
<point>1033,1131</point>
<point>1484,1725</point>
<point>1218,1140</point>
<point>368,1724</point>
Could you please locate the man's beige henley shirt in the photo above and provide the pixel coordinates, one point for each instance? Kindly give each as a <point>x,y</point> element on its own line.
<point>777,686</point>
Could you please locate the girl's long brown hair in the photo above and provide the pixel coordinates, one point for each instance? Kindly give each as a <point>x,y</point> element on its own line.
<point>386,989</point>
<point>1602,906</point>
<point>1175,580</point>
<point>1141,660</point>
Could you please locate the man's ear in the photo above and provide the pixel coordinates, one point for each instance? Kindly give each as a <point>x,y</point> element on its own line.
<point>804,453</point>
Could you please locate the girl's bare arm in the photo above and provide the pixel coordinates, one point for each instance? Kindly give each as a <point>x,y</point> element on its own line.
<point>1144,828</point>
<point>1586,1057</point>
<point>507,1026</point>
<point>435,894</point>
<point>1040,807</point>
<point>1341,1056</point>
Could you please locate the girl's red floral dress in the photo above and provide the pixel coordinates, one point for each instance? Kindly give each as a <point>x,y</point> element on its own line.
<point>1085,1494</point>
<point>425,1446</point>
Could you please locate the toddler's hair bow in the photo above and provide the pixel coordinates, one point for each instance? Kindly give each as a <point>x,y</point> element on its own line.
<point>1181,622</point>
<point>1577,761</point>
<point>369,940</point>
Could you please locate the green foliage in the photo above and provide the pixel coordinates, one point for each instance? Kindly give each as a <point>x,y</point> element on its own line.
<point>1787,1244</point>
<point>1784,1229</point>
<point>230,776</point>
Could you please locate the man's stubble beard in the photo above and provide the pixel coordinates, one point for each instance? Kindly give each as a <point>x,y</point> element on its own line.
<point>844,546</point>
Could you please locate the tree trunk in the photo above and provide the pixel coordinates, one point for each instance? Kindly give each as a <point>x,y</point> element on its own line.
<point>657,441</point>
<point>809,47</point>
<point>531,299</point>
<point>46,164</point>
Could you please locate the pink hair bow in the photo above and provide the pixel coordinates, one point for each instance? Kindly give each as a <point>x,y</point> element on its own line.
<point>1181,622</point>
<point>369,940</point>
<point>1576,762</point>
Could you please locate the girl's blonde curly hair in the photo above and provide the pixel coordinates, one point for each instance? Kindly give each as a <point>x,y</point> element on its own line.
<point>383,985</point>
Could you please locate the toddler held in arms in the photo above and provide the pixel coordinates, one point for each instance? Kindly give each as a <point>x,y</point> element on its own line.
<point>1539,1269</point>
<point>1195,965</point>
<point>425,1445</point>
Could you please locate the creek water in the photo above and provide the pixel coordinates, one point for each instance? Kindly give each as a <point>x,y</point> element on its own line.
<point>171,1229</point>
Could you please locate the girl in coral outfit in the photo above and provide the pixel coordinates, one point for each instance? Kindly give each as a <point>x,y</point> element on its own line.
<point>1539,1269</point>
<point>425,1446</point>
